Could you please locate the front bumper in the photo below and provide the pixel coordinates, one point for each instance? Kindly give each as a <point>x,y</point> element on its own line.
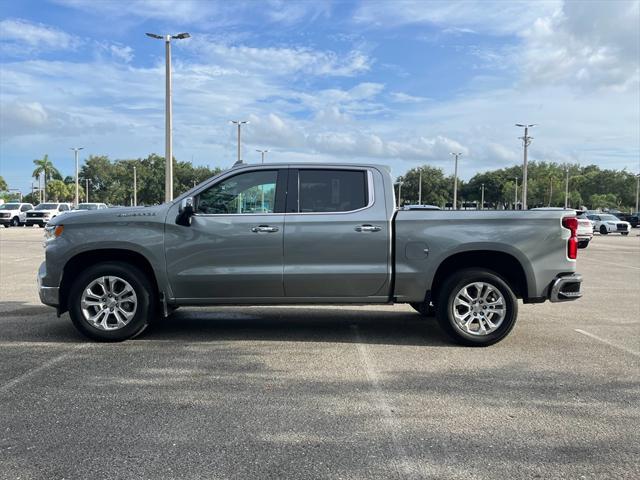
<point>48,295</point>
<point>566,288</point>
<point>36,221</point>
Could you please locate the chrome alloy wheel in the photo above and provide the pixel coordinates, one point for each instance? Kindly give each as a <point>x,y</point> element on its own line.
<point>109,303</point>
<point>479,308</point>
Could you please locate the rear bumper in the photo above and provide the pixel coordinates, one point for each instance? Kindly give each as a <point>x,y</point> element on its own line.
<point>566,288</point>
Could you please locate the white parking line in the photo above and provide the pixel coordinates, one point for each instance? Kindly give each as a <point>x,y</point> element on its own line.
<point>49,363</point>
<point>404,466</point>
<point>609,264</point>
<point>608,342</point>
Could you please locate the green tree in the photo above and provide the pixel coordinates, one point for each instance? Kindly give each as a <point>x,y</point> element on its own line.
<point>436,188</point>
<point>57,191</point>
<point>3,185</point>
<point>45,168</point>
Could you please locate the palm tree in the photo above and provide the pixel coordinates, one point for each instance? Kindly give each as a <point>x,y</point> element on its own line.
<point>44,167</point>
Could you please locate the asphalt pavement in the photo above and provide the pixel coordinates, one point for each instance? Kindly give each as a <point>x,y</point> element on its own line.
<point>324,392</point>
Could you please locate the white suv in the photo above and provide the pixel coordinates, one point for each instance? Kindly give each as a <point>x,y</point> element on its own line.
<point>607,223</point>
<point>14,214</point>
<point>44,212</point>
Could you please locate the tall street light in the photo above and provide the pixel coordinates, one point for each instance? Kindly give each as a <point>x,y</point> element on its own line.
<point>239,123</point>
<point>566,187</point>
<point>75,153</point>
<point>86,193</point>
<point>526,141</point>
<point>482,198</point>
<point>637,190</point>
<point>135,187</point>
<point>515,200</point>
<point>455,181</point>
<point>262,152</point>
<point>420,187</point>
<point>168,142</point>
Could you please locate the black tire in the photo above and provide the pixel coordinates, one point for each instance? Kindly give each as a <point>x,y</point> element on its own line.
<point>603,230</point>
<point>624,233</point>
<point>446,297</point>
<point>144,290</point>
<point>15,222</point>
<point>40,225</point>
<point>424,308</point>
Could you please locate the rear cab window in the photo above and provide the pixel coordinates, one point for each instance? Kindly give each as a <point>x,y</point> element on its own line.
<point>332,191</point>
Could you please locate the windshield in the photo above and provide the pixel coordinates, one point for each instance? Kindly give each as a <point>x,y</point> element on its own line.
<point>87,206</point>
<point>47,206</point>
<point>10,206</point>
<point>609,218</point>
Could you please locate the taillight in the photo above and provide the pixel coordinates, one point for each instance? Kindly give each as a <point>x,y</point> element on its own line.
<point>571,223</point>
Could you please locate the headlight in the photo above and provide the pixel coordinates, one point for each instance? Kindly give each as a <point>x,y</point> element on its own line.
<point>53,231</point>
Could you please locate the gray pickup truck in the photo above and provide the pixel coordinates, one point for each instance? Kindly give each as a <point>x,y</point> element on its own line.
<point>305,234</point>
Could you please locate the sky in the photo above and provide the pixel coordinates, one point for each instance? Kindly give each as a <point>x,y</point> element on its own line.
<point>402,83</point>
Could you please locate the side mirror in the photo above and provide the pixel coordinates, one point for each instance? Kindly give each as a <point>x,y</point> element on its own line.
<point>185,212</point>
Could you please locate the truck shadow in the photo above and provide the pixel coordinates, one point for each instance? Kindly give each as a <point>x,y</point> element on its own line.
<point>22,322</point>
<point>300,324</point>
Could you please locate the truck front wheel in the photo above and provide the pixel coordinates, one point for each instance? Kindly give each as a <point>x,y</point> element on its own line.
<point>476,307</point>
<point>111,302</point>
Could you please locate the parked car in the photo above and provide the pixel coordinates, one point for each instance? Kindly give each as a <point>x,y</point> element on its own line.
<point>45,212</point>
<point>82,207</point>
<point>322,234</point>
<point>606,223</point>
<point>632,218</point>
<point>14,214</point>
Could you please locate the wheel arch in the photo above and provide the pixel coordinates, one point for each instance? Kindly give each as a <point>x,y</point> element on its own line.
<point>80,261</point>
<point>506,265</point>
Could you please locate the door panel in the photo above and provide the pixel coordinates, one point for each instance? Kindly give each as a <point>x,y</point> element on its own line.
<point>234,245</point>
<point>333,254</point>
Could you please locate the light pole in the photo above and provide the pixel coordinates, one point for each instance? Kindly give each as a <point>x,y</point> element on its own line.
<point>637,190</point>
<point>135,187</point>
<point>168,142</point>
<point>86,193</point>
<point>566,188</point>
<point>239,123</point>
<point>400,194</point>
<point>455,181</point>
<point>262,152</point>
<point>526,141</point>
<point>482,198</point>
<point>515,200</point>
<point>420,188</point>
<point>75,153</point>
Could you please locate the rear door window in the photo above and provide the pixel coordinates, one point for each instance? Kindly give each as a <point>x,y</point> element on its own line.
<point>332,190</point>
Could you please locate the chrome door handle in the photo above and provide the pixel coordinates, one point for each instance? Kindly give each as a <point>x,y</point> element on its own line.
<point>368,228</point>
<point>264,229</point>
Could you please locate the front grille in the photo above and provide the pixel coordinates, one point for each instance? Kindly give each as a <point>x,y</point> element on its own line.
<point>5,214</point>
<point>621,226</point>
<point>35,215</point>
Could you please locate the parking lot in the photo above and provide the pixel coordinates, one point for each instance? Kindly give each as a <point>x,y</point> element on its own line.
<point>327,392</point>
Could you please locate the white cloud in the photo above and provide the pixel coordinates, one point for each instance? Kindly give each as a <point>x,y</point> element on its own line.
<point>501,17</point>
<point>123,52</point>
<point>400,97</point>
<point>20,37</point>
<point>280,60</point>
<point>588,44</point>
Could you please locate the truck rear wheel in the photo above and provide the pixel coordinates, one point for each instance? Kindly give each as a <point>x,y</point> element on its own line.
<point>476,307</point>
<point>111,302</point>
